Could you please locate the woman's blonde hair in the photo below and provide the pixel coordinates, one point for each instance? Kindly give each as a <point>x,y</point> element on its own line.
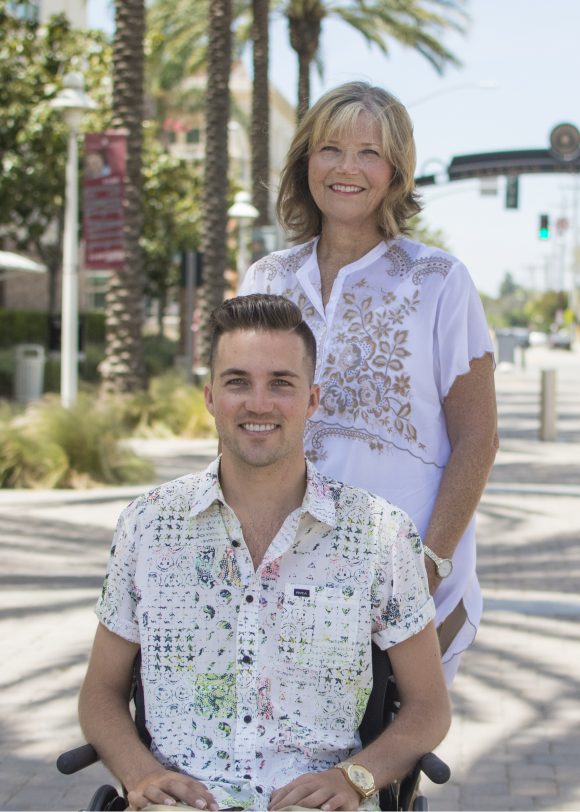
<point>336,113</point>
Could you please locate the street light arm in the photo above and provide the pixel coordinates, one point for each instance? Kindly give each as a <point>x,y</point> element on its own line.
<point>484,84</point>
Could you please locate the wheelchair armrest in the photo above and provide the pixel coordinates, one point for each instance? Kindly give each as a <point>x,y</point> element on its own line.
<point>435,769</point>
<point>74,760</point>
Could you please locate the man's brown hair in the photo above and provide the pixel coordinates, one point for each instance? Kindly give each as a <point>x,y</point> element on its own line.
<point>260,311</point>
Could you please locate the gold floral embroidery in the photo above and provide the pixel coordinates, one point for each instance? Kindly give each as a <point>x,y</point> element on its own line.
<point>402,265</point>
<point>364,379</point>
<point>274,264</point>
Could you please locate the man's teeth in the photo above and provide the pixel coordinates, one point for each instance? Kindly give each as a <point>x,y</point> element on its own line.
<point>259,426</point>
<point>340,187</point>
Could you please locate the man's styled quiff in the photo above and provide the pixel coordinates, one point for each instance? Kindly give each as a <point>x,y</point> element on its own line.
<point>335,114</point>
<point>260,311</point>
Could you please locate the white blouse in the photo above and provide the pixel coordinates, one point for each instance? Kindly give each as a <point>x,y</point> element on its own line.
<point>401,324</point>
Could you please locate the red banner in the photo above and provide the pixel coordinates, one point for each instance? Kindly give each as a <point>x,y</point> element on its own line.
<point>103,187</point>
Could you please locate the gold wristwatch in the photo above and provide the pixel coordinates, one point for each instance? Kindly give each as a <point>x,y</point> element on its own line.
<point>358,777</point>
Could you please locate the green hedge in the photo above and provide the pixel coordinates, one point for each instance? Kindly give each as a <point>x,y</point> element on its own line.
<point>31,327</point>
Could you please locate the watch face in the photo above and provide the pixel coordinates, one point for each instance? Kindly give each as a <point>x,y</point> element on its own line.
<point>444,567</point>
<point>361,777</point>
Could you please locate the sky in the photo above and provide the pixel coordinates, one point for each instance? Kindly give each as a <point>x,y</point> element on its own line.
<point>529,49</point>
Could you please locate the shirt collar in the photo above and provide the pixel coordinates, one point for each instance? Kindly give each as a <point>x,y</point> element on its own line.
<point>208,489</point>
<point>319,499</point>
<point>321,496</point>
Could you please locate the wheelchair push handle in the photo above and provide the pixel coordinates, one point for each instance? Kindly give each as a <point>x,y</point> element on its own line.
<point>74,760</point>
<point>435,769</point>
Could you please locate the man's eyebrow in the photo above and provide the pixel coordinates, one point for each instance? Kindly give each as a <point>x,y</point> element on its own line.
<point>276,373</point>
<point>233,371</point>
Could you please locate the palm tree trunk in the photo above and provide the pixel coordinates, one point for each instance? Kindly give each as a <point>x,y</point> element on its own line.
<point>260,134</point>
<point>304,62</point>
<point>305,24</point>
<point>123,369</point>
<point>215,195</point>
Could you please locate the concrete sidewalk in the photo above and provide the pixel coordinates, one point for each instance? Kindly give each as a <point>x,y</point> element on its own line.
<point>515,741</point>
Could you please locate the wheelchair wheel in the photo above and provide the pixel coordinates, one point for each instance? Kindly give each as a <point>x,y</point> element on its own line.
<point>420,804</point>
<point>106,798</point>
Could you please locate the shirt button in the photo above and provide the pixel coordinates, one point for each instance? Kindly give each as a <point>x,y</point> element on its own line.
<point>247,718</point>
<point>247,777</point>
<point>235,543</point>
<point>249,598</point>
<point>260,790</point>
<point>246,659</point>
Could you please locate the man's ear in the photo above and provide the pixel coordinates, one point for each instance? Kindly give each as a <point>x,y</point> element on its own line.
<point>314,399</point>
<point>208,396</point>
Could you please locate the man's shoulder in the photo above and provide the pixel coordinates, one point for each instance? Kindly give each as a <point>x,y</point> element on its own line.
<point>346,497</point>
<point>176,496</point>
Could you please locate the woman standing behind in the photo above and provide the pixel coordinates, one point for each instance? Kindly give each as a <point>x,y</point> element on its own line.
<point>404,354</point>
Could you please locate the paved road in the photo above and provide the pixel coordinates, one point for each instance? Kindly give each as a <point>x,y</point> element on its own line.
<point>515,741</point>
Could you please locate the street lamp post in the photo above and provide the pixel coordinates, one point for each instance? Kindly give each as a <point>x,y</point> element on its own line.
<point>73,102</point>
<point>245,214</point>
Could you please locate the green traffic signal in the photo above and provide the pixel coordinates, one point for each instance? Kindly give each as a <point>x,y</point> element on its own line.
<point>544,230</point>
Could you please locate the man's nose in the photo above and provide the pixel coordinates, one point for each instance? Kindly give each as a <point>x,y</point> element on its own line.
<point>259,400</point>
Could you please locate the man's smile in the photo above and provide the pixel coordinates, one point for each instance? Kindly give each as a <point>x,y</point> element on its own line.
<point>259,427</point>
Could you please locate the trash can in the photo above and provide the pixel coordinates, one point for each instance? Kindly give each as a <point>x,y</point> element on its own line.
<point>29,372</point>
<point>506,346</point>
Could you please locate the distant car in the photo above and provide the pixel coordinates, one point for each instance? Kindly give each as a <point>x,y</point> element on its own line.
<point>537,338</point>
<point>560,340</point>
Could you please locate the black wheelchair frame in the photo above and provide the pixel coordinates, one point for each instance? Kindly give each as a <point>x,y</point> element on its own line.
<point>380,711</point>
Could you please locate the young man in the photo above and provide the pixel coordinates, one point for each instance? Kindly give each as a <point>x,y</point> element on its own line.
<point>253,590</point>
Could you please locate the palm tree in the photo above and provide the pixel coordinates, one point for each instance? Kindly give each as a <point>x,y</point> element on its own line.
<point>215,193</point>
<point>260,129</point>
<point>123,369</point>
<point>416,24</point>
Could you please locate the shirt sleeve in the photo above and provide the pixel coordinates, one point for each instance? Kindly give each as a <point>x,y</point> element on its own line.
<point>117,604</point>
<point>402,605</point>
<point>461,330</point>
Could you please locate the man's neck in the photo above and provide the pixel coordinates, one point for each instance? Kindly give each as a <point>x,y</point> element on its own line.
<point>277,489</point>
<point>262,498</point>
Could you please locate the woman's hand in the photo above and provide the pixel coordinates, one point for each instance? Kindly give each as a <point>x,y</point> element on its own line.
<point>167,787</point>
<point>328,790</point>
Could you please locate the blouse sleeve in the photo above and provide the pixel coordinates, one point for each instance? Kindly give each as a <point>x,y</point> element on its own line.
<point>116,607</point>
<point>461,330</point>
<point>401,603</point>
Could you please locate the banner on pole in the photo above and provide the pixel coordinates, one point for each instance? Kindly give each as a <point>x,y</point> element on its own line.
<point>103,191</point>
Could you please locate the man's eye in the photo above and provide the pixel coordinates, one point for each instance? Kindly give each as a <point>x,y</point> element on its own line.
<point>282,382</point>
<point>235,382</point>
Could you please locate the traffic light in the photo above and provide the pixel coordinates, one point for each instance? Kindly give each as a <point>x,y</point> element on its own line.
<point>544,229</point>
<point>512,191</point>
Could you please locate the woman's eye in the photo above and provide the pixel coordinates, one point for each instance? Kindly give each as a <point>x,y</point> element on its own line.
<point>372,152</point>
<point>328,148</point>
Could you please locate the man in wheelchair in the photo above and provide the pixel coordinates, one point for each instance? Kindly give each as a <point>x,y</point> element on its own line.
<point>253,591</point>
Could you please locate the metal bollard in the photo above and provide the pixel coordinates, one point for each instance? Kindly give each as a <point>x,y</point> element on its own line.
<point>548,430</point>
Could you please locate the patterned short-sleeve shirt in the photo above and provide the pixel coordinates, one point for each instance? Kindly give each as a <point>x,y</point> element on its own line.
<point>253,677</point>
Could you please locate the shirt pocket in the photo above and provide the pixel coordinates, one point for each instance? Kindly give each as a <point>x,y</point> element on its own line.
<point>319,625</point>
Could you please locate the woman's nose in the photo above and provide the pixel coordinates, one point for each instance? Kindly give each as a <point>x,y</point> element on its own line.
<point>348,161</point>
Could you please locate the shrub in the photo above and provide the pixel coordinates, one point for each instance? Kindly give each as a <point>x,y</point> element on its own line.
<point>169,407</point>
<point>49,446</point>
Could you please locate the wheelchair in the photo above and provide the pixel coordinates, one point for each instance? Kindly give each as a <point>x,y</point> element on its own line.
<point>380,711</point>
